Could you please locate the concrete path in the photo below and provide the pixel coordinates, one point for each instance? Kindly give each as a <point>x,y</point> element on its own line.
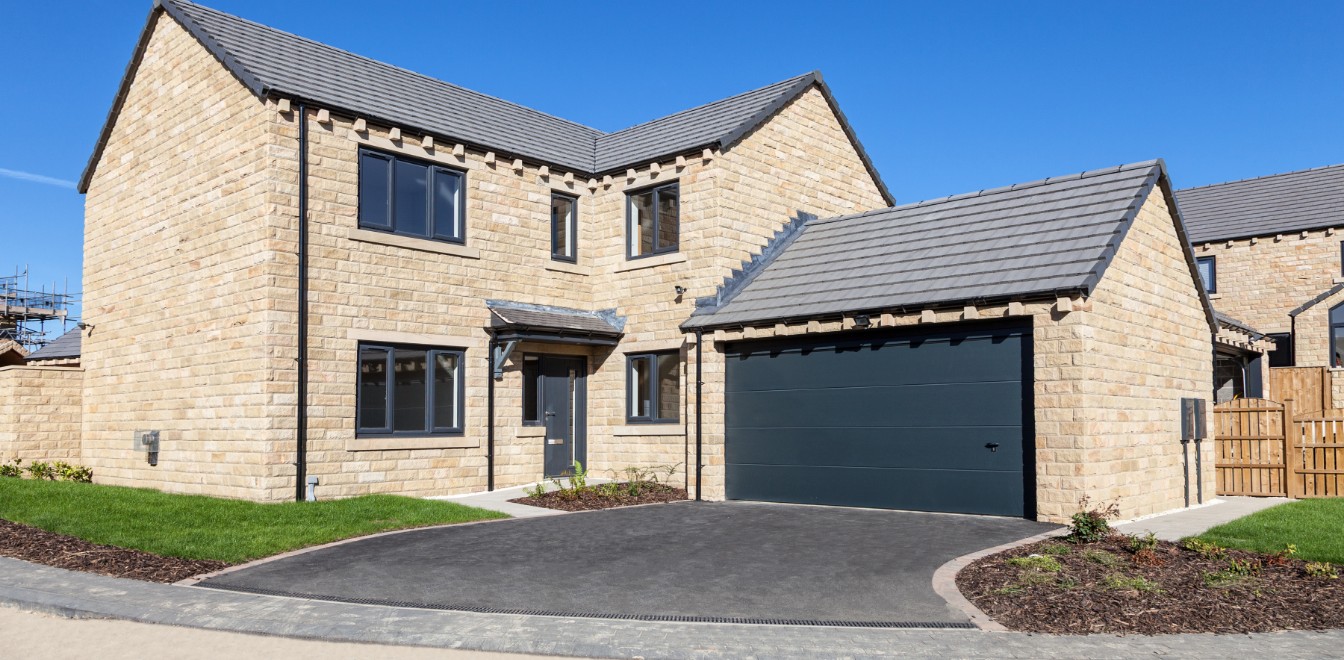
<point>697,560</point>
<point>1177,525</point>
<point>498,500</point>
<point>37,636</point>
<point>71,594</point>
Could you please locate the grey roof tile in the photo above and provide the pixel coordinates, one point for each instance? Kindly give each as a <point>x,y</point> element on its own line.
<point>544,317</point>
<point>1275,204</point>
<point>63,348</point>
<point>1051,236</point>
<point>270,61</point>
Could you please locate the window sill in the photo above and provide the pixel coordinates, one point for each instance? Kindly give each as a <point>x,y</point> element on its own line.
<point>411,243</point>
<point>651,262</point>
<point>424,442</point>
<point>649,429</point>
<point>566,267</point>
<point>1215,296</point>
<point>531,432</point>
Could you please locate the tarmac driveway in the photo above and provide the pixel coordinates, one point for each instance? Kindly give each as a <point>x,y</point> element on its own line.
<point>687,559</point>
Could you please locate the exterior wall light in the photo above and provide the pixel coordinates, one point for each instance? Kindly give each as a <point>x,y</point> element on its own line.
<point>861,321</point>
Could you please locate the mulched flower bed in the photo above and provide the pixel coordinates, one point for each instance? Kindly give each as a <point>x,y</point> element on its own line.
<point>43,547</point>
<point>592,497</point>
<point>1105,587</point>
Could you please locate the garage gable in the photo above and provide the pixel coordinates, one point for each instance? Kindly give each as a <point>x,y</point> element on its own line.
<point>1054,237</point>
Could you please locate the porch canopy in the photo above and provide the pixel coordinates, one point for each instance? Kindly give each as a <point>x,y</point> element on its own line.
<point>514,321</point>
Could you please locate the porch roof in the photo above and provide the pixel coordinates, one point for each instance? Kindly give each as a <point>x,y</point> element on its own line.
<point>528,322</point>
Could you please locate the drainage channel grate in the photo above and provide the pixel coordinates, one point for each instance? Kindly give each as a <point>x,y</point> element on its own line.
<point>670,618</point>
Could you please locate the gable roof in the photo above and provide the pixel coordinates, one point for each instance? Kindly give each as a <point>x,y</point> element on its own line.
<point>1045,238</point>
<point>1268,205</point>
<point>271,62</point>
<point>63,348</point>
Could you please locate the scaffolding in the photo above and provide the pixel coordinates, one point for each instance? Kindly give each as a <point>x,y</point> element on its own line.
<point>27,315</point>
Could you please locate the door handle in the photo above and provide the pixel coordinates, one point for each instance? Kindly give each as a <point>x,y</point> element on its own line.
<point>992,446</point>
<point>550,414</point>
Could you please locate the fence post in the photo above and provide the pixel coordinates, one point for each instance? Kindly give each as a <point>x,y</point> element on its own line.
<point>1290,464</point>
<point>1327,389</point>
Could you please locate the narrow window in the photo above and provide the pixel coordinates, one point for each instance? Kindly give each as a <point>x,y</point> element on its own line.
<point>1282,355</point>
<point>410,197</point>
<point>409,390</point>
<point>654,384</point>
<point>1337,336</point>
<point>653,219</point>
<point>531,390</point>
<point>1208,273</point>
<point>564,227</point>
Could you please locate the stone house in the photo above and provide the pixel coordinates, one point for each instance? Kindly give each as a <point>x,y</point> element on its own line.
<point>1269,255</point>
<point>466,294</point>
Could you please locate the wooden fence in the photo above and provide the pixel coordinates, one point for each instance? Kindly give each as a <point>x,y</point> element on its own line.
<point>1263,448</point>
<point>1308,387</point>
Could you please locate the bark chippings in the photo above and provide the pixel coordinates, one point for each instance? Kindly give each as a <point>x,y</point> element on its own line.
<point>61,551</point>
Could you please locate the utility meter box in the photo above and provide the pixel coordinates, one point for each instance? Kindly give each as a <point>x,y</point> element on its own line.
<point>146,441</point>
<point>1194,419</point>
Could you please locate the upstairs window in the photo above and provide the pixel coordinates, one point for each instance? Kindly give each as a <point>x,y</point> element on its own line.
<point>410,197</point>
<point>653,220</point>
<point>654,382</point>
<point>1208,273</point>
<point>564,227</point>
<point>409,390</point>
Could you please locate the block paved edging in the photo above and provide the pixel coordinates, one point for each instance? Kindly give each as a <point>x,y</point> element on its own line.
<point>945,579</point>
<point>82,595</point>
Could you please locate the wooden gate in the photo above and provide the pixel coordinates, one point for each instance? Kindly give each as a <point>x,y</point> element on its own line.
<point>1308,387</point>
<point>1262,448</point>
<point>1249,448</point>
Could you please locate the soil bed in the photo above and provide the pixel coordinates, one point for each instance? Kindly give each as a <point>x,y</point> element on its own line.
<point>594,497</point>
<point>1105,587</point>
<point>43,547</point>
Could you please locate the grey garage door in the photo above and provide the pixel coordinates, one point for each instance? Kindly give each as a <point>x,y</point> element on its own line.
<point>929,422</point>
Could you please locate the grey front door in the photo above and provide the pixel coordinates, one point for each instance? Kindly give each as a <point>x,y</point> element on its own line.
<point>563,402</point>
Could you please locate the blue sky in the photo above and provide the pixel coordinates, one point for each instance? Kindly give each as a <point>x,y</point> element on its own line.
<point>948,97</point>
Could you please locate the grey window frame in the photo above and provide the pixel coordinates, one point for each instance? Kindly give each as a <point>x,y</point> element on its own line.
<point>1210,286</point>
<point>432,169</point>
<point>573,257</point>
<point>652,358</point>
<point>431,429</point>
<point>630,237</point>
<point>533,380</point>
<point>1334,325</point>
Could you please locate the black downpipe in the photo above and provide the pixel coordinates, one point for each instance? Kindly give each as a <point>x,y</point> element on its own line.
<point>490,417</point>
<point>301,425</point>
<point>699,406</point>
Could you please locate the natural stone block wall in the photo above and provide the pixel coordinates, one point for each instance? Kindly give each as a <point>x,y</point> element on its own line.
<point>39,413</point>
<point>180,283</point>
<point>1260,280</point>
<point>1312,334</point>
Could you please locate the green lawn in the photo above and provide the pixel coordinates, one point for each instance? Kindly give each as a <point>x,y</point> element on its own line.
<point>196,527</point>
<point>1316,526</point>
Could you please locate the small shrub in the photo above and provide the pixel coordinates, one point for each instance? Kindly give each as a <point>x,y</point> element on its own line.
<point>1119,582</point>
<point>41,470</point>
<point>537,490</point>
<point>609,489</point>
<point>1039,563</point>
<point>68,472</point>
<point>1205,549</point>
<point>1223,578</point>
<point>579,482</point>
<point>12,469</point>
<point>1320,570</point>
<point>1138,543</point>
<point>1055,549</point>
<point>1101,557</point>
<point>1092,523</point>
<point>1283,557</point>
<point>1245,567</point>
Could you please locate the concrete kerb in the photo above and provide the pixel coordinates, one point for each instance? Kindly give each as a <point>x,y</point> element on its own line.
<point>945,579</point>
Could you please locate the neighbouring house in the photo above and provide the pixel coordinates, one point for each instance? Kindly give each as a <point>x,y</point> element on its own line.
<point>40,402</point>
<point>1269,255</point>
<point>467,294</point>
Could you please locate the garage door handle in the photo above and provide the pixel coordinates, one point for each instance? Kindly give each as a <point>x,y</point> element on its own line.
<point>992,446</point>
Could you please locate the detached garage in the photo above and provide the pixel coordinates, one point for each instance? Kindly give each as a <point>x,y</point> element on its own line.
<point>1004,352</point>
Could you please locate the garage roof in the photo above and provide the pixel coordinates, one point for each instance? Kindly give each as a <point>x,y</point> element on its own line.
<point>65,347</point>
<point>1047,237</point>
<point>272,62</point>
<point>1275,204</point>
